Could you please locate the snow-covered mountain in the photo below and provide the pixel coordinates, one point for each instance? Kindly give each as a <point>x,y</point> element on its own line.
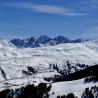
<point>31,65</point>
<point>6,43</point>
<point>43,40</point>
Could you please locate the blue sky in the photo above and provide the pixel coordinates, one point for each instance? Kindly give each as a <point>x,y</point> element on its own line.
<point>70,18</point>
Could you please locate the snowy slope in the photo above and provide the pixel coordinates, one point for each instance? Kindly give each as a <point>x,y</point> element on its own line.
<point>63,88</point>
<point>6,43</point>
<point>13,60</point>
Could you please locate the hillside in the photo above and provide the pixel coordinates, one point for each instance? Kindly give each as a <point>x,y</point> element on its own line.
<point>14,62</point>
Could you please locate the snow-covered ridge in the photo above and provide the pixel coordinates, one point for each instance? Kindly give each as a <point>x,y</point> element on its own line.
<point>14,60</point>
<point>6,43</point>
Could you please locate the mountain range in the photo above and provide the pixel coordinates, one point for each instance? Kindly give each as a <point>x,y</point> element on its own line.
<point>43,40</point>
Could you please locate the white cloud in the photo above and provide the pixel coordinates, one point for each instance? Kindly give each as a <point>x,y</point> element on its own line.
<point>50,9</point>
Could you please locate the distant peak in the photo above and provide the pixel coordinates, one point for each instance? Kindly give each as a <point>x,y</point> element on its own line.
<point>43,40</point>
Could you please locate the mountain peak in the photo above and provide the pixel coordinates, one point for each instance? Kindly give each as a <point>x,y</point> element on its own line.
<point>43,39</point>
